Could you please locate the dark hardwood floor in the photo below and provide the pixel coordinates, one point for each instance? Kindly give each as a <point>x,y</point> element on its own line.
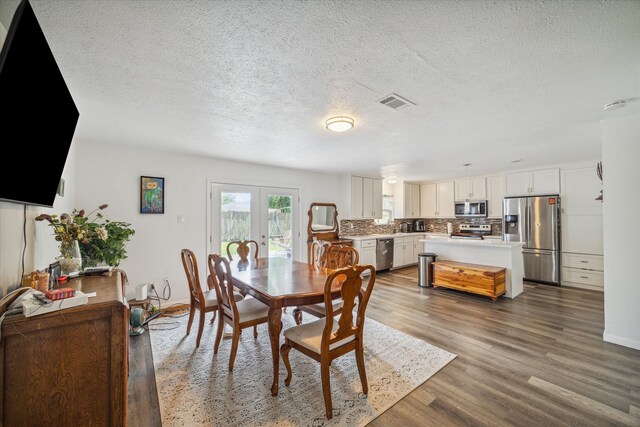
<point>536,360</point>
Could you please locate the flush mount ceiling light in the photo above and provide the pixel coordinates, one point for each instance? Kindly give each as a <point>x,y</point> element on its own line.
<point>391,180</point>
<point>620,103</point>
<point>339,123</point>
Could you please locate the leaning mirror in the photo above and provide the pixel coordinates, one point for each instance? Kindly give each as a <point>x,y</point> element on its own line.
<point>323,217</point>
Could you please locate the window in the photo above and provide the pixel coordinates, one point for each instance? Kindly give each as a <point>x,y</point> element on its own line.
<point>387,210</point>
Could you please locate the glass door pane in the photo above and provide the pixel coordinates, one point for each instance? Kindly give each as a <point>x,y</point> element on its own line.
<point>235,216</point>
<point>280,226</point>
<point>235,219</point>
<point>244,212</point>
<point>279,221</point>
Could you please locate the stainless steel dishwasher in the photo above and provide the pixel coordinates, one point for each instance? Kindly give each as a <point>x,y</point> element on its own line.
<point>384,253</point>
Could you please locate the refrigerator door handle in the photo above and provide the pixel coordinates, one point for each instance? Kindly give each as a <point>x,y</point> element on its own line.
<point>538,251</point>
<point>527,225</point>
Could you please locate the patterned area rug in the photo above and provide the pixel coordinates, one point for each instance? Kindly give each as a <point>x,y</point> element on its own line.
<point>195,387</point>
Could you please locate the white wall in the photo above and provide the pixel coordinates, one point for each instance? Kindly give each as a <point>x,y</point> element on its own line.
<point>621,175</point>
<point>42,249</point>
<point>111,174</point>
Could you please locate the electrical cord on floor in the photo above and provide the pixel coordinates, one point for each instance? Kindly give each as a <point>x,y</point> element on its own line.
<point>163,326</point>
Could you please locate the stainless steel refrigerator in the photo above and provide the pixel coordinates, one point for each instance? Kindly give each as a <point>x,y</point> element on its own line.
<point>535,221</point>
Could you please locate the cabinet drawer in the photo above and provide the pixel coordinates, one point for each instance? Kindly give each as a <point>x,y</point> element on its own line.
<point>586,277</point>
<point>416,239</point>
<point>589,262</point>
<point>400,240</point>
<point>368,243</point>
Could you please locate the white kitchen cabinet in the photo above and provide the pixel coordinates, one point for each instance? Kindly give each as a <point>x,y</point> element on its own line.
<point>495,192</point>
<point>366,251</point>
<point>406,250</point>
<point>583,271</point>
<point>398,252</point>
<point>366,197</point>
<point>446,200</point>
<point>407,200</point>
<point>417,248</point>
<point>532,183</point>
<point>582,245</point>
<point>429,200</point>
<point>582,234</point>
<point>356,197</point>
<point>470,189</point>
<point>437,200</point>
<point>581,214</point>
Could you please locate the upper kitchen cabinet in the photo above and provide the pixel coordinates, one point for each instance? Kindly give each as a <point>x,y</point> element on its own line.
<point>495,191</point>
<point>366,198</point>
<point>437,200</point>
<point>540,182</point>
<point>581,212</point>
<point>407,200</point>
<point>470,189</point>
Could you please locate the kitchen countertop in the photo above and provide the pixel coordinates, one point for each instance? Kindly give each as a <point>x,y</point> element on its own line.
<point>416,234</point>
<point>495,243</point>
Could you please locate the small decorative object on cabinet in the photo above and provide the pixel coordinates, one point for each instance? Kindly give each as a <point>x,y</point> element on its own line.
<point>70,258</point>
<point>151,195</point>
<point>599,173</point>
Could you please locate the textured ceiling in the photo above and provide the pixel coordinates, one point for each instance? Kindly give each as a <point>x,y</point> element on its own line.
<point>254,81</point>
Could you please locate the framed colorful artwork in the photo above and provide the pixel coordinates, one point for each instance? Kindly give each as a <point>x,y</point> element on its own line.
<point>151,195</point>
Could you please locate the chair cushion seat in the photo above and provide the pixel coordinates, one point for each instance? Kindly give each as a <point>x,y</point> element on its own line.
<point>210,299</point>
<point>309,335</point>
<point>320,308</point>
<point>251,309</point>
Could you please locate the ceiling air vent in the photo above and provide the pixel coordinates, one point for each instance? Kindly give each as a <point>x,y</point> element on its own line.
<point>396,102</point>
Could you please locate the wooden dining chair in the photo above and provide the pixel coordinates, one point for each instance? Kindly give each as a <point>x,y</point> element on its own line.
<point>241,314</point>
<point>335,256</point>
<point>318,254</point>
<point>243,249</point>
<point>328,338</point>
<point>205,301</point>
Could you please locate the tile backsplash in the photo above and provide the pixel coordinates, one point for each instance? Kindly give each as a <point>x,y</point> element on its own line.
<point>357,227</point>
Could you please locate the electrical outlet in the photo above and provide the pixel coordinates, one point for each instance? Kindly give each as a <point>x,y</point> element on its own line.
<point>152,286</point>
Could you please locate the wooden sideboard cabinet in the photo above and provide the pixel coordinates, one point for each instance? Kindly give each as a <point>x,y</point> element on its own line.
<point>69,367</point>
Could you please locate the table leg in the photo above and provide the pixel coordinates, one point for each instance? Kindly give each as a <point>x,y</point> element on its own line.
<point>275,327</point>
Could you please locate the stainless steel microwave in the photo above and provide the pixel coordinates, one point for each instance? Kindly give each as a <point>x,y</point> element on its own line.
<point>471,209</point>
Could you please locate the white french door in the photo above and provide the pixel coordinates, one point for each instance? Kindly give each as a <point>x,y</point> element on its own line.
<point>268,215</point>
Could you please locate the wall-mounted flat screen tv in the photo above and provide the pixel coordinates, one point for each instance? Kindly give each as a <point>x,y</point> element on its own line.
<point>37,114</point>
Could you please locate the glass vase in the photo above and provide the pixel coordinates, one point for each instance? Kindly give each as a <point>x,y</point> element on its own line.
<point>70,257</point>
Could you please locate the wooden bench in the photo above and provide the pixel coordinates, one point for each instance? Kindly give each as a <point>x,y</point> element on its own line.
<point>478,279</point>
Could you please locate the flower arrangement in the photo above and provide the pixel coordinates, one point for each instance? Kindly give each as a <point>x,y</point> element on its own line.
<point>99,239</point>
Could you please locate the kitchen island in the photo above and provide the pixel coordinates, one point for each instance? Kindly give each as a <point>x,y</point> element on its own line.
<point>486,252</point>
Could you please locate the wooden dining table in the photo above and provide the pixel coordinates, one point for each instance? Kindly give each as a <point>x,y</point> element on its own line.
<point>279,283</point>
